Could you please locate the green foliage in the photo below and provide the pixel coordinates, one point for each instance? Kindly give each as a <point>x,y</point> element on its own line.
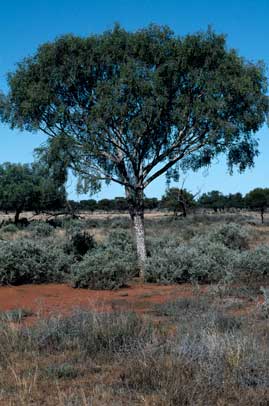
<point>177,199</point>
<point>40,229</point>
<point>231,235</point>
<point>253,265</point>
<point>25,261</point>
<point>81,242</point>
<point>103,268</point>
<point>202,99</point>
<point>208,257</point>
<point>109,266</point>
<point>28,187</point>
<point>258,199</point>
<point>201,261</point>
<point>212,200</point>
<point>122,240</point>
<point>9,228</point>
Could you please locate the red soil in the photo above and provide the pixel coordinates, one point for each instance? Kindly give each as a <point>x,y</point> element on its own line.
<point>60,298</point>
<point>45,300</point>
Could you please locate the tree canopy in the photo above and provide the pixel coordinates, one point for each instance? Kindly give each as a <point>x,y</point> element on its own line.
<point>258,199</point>
<point>130,106</point>
<point>178,199</point>
<point>28,187</point>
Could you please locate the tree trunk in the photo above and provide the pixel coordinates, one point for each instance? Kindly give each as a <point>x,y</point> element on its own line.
<point>139,231</point>
<point>17,215</point>
<point>136,210</point>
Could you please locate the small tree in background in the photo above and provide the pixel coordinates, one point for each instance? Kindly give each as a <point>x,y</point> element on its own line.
<point>235,201</point>
<point>258,199</point>
<point>28,187</point>
<point>214,200</point>
<point>128,107</point>
<point>177,199</point>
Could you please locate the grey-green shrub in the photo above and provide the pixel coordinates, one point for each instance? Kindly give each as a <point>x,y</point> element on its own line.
<point>9,228</point>
<point>25,261</point>
<point>120,239</point>
<point>103,268</point>
<point>253,264</point>
<point>201,260</point>
<point>232,235</point>
<point>40,229</point>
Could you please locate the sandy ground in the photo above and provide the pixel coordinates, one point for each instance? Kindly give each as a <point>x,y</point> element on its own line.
<point>44,300</point>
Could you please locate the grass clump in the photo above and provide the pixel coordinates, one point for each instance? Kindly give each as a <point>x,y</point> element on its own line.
<point>15,315</point>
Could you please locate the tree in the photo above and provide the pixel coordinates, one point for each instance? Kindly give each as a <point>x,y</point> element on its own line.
<point>120,203</point>
<point>235,201</point>
<point>89,204</point>
<point>28,187</point>
<point>129,107</point>
<point>106,205</point>
<point>258,199</point>
<point>177,199</point>
<point>151,203</point>
<point>214,200</point>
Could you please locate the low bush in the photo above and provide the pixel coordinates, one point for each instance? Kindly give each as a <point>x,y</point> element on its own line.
<point>25,261</point>
<point>79,243</point>
<point>198,261</point>
<point>40,229</point>
<point>9,228</point>
<point>232,235</point>
<point>121,223</point>
<point>103,268</point>
<point>253,265</point>
<point>120,239</point>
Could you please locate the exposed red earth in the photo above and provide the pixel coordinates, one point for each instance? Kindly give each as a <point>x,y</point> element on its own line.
<point>61,298</point>
<point>45,300</point>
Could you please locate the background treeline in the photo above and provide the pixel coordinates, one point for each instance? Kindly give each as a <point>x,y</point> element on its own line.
<point>33,187</point>
<point>181,200</point>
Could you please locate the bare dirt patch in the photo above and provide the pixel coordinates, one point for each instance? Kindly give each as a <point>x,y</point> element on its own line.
<point>46,299</point>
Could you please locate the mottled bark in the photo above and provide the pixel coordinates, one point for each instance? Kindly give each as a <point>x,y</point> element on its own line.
<point>136,210</point>
<point>139,231</point>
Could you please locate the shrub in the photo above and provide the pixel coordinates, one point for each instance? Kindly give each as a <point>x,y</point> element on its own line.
<point>120,223</point>
<point>231,235</point>
<point>80,242</point>
<point>25,261</point>
<point>120,239</point>
<point>103,268</point>
<point>9,228</point>
<point>201,262</point>
<point>40,229</point>
<point>253,265</point>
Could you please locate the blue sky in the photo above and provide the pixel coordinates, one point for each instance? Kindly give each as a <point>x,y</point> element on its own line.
<point>26,24</point>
